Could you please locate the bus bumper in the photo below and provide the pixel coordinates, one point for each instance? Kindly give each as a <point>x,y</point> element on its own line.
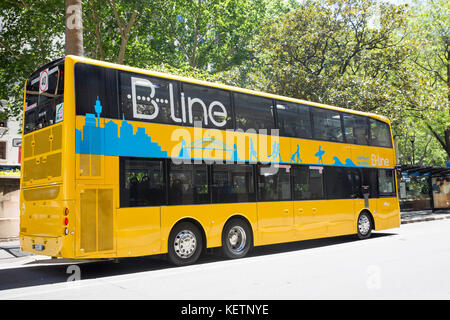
<point>47,246</point>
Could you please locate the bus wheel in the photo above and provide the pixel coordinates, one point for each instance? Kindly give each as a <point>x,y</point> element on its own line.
<point>185,244</point>
<point>365,225</point>
<point>237,239</point>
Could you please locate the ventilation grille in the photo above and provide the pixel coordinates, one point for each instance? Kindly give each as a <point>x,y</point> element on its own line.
<point>41,157</point>
<point>96,210</point>
<point>90,165</point>
<point>45,167</point>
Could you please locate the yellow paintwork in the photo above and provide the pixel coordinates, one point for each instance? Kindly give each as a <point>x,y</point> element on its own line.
<point>145,230</point>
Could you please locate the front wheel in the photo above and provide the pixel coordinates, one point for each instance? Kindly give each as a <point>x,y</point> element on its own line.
<point>237,239</point>
<point>185,244</point>
<point>365,225</point>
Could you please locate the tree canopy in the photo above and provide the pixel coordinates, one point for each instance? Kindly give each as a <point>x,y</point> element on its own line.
<point>367,55</point>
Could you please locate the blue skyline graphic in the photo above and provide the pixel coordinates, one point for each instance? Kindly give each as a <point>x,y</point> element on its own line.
<point>106,141</point>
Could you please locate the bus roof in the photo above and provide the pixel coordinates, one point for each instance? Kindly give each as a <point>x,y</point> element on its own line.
<point>221,86</point>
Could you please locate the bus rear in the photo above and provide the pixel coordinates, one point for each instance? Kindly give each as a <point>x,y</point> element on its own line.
<point>44,209</point>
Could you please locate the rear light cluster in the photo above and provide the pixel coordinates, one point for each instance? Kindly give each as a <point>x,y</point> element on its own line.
<point>66,220</point>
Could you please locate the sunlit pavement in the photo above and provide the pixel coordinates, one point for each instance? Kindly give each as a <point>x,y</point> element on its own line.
<point>410,262</point>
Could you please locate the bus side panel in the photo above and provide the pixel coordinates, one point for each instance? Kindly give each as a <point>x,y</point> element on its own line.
<point>388,214</point>
<point>275,222</point>
<point>138,231</point>
<point>212,218</point>
<point>340,215</point>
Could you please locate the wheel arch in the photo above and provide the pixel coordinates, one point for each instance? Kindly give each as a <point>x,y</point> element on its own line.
<point>243,218</point>
<point>197,224</point>
<point>372,219</point>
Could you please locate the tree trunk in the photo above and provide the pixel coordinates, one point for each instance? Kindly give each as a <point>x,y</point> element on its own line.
<point>74,28</point>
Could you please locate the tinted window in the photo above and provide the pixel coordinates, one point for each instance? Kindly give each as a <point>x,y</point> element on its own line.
<point>380,135</point>
<point>188,184</point>
<point>44,96</point>
<point>146,98</point>
<point>307,182</point>
<point>253,112</point>
<point>211,106</point>
<point>356,129</point>
<point>273,186</point>
<point>369,178</point>
<point>327,125</point>
<point>338,183</point>
<point>141,182</point>
<point>386,182</point>
<point>233,183</point>
<point>92,82</point>
<point>294,120</point>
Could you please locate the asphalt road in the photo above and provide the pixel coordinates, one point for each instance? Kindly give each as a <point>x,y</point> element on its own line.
<point>411,262</point>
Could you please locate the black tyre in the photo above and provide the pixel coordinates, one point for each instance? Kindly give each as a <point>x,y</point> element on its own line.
<point>237,239</point>
<point>364,225</point>
<point>185,244</point>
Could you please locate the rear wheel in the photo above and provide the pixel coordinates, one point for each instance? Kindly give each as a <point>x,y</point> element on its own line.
<point>185,244</point>
<point>364,225</point>
<point>237,239</point>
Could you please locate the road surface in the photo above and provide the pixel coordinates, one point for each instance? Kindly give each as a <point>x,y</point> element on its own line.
<point>411,262</point>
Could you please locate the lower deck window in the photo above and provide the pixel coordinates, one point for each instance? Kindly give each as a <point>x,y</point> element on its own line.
<point>142,182</point>
<point>156,182</point>
<point>188,184</point>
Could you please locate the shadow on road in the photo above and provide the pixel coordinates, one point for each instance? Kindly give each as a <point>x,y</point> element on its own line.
<point>35,273</point>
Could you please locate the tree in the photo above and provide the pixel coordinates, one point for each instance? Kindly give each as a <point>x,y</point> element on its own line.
<point>327,52</point>
<point>426,85</point>
<point>74,28</point>
<point>32,34</point>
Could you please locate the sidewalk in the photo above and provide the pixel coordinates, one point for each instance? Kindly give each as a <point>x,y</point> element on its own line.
<point>424,215</point>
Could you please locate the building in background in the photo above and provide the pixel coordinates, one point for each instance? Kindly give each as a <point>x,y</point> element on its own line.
<point>10,156</point>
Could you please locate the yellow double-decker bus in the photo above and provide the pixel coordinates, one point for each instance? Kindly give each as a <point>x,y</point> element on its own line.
<point>123,162</point>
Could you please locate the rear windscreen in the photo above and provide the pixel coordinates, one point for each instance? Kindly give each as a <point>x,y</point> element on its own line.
<point>44,98</point>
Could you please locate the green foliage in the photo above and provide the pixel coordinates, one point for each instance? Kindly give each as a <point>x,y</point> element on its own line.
<point>367,55</point>
<point>32,34</point>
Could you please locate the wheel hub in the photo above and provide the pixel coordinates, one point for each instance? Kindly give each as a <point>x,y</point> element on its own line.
<point>363,224</point>
<point>237,239</point>
<point>185,244</point>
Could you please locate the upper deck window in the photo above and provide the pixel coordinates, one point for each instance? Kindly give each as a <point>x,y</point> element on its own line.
<point>294,120</point>
<point>91,82</point>
<point>253,112</point>
<point>44,97</point>
<point>356,129</point>
<point>327,125</point>
<point>210,106</point>
<point>146,98</point>
<point>380,134</point>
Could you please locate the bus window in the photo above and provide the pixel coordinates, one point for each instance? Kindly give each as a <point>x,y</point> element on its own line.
<point>44,96</point>
<point>210,106</point>
<point>253,112</point>
<point>188,184</point>
<point>369,178</point>
<point>327,125</point>
<point>145,98</point>
<point>232,183</point>
<point>307,183</point>
<point>356,129</point>
<point>273,186</point>
<point>294,119</point>
<point>386,182</point>
<point>380,135</point>
<point>141,182</point>
<point>91,82</point>
<point>338,183</point>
